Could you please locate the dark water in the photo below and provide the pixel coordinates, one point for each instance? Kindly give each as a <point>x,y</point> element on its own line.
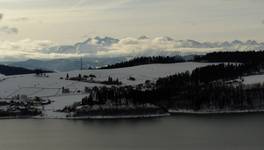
<point>181,132</point>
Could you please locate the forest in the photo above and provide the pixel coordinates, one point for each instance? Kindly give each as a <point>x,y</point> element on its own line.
<point>205,88</point>
<point>248,57</point>
<point>146,60</point>
<point>217,87</point>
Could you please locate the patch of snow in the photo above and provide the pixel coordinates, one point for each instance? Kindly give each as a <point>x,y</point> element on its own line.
<point>2,77</point>
<point>253,79</point>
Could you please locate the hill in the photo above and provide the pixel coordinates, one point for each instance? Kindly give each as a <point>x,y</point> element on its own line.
<point>146,60</point>
<point>10,70</point>
<point>66,64</point>
<point>180,86</point>
<point>66,92</point>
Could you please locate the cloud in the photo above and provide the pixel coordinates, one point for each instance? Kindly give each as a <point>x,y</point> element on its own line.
<point>98,5</point>
<point>112,47</point>
<point>262,21</point>
<point>23,49</point>
<point>8,30</point>
<point>91,46</point>
<point>21,19</point>
<point>145,46</point>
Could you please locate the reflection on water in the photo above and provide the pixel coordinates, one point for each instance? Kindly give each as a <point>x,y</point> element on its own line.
<point>183,132</point>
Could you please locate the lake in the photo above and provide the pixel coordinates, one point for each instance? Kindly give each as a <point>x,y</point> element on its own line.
<point>179,132</point>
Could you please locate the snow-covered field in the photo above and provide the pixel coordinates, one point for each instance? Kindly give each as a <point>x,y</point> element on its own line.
<point>253,79</point>
<point>51,86</point>
<point>140,73</point>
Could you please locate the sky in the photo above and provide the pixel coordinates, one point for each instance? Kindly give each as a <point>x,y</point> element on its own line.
<point>51,22</point>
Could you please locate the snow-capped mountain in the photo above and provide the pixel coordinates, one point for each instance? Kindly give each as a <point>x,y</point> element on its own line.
<point>109,46</point>
<point>117,47</point>
<point>99,51</point>
<point>91,45</point>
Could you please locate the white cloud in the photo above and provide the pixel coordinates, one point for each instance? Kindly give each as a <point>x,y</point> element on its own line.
<point>23,49</point>
<point>150,46</point>
<point>111,47</point>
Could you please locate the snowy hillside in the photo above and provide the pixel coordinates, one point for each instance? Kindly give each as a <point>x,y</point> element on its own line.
<point>2,77</point>
<point>51,86</point>
<point>140,73</point>
<point>253,79</point>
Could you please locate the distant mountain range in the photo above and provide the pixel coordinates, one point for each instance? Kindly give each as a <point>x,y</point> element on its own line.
<point>69,64</point>
<point>102,51</point>
<point>145,46</point>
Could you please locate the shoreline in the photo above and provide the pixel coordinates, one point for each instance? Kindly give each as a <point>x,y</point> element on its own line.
<point>208,112</point>
<point>106,117</point>
<point>171,112</point>
<point>120,117</point>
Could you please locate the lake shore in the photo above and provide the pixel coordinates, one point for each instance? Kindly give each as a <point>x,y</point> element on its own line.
<point>205,112</point>
<point>171,112</point>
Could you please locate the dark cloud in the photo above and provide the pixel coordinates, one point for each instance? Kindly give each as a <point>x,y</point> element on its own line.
<point>1,16</point>
<point>21,19</point>
<point>8,30</point>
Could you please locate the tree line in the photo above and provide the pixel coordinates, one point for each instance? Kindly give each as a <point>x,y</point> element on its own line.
<point>146,60</point>
<point>248,57</point>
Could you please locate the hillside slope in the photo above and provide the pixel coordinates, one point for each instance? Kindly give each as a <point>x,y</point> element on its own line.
<point>11,70</point>
<point>51,86</point>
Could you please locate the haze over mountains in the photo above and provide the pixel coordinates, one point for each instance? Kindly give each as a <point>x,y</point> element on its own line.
<point>100,51</point>
<point>68,64</point>
<point>145,46</point>
<point>102,47</point>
